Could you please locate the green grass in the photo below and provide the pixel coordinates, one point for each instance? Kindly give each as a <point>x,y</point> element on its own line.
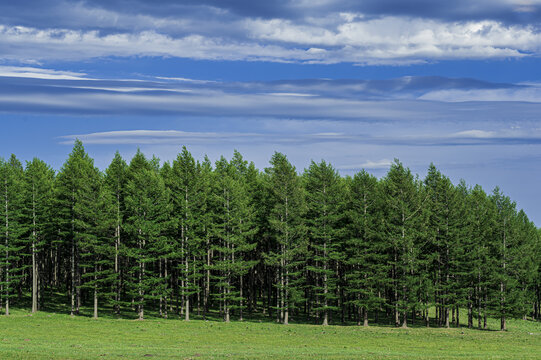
<point>55,336</point>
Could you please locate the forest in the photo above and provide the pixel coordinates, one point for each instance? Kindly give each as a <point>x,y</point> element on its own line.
<point>190,237</point>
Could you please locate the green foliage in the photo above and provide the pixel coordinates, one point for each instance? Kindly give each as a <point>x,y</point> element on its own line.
<point>12,227</point>
<point>183,237</point>
<point>404,199</point>
<point>366,250</point>
<point>148,213</point>
<point>289,253</point>
<point>325,198</point>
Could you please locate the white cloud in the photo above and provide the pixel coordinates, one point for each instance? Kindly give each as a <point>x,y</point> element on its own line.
<point>352,38</point>
<point>23,43</point>
<point>291,94</point>
<point>526,94</point>
<point>369,165</point>
<point>40,73</point>
<point>156,137</point>
<point>481,134</point>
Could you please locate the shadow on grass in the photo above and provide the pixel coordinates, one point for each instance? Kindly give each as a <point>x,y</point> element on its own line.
<point>59,303</point>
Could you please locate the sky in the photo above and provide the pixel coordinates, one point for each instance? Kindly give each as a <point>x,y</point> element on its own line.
<point>356,83</point>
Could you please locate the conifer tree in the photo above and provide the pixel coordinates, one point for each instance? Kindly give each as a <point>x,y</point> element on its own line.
<point>75,191</point>
<point>148,209</point>
<point>326,203</point>
<point>507,249</point>
<point>185,191</point>
<point>480,224</point>
<point>403,222</point>
<point>13,227</point>
<point>365,250</point>
<point>286,222</point>
<point>233,229</point>
<point>95,222</point>
<point>39,180</point>
<point>443,233</point>
<point>205,218</point>
<point>245,224</point>
<point>525,264</point>
<point>232,238</point>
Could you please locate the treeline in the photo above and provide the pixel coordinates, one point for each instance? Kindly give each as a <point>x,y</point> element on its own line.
<point>191,236</point>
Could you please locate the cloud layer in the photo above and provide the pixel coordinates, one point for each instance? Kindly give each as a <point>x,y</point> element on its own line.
<point>323,31</point>
<point>421,99</point>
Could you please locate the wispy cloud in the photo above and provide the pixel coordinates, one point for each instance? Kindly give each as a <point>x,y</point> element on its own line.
<point>461,138</point>
<point>368,165</point>
<point>158,137</point>
<point>39,73</point>
<point>32,89</point>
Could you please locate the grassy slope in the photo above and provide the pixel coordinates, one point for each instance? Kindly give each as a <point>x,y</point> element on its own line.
<point>48,335</point>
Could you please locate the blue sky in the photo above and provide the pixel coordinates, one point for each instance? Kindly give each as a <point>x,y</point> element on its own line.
<point>355,83</point>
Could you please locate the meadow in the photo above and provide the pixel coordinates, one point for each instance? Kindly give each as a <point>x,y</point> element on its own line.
<point>49,335</point>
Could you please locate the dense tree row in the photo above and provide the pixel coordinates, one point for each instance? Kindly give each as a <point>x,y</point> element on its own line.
<point>227,239</point>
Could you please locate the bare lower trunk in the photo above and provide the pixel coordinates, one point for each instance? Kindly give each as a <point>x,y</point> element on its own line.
<point>365,312</point>
<point>187,296</point>
<point>95,298</point>
<point>241,299</point>
<point>72,290</point>
<point>34,262</point>
<point>207,284</point>
<point>7,251</point>
<point>117,264</point>
<point>325,288</point>
<point>470,313</point>
<point>405,320</point>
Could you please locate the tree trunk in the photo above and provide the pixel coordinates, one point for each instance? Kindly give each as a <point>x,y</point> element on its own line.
<point>470,313</point>
<point>7,253</point>
<point>34,262</point>
<point>405,319</point>
<point>325,288</point>
<point>95,294</point>
<point>117,263</point>
<point>241,299</point>
<point>365,314</point>
<point>72,290</point>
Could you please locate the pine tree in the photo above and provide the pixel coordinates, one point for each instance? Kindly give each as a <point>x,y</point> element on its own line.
<point>525,264</point>
<point>205,218</point>
<point>286,222</point>
<point>148,209</point>
<point>11,190</point>
<point>365,250</point>
<point>443,215</point>
<point>404,199</point>
<point>233,229</point>
<point>115,183</point>
<point>233,238</point>
<point>39,181</point>
<point>95,221</point>
<point>326,202</point>
<point>245,225</point>
<point>477,245</point>
<point>76,190</point>
<point>508,256</point>
<point>185,190</point>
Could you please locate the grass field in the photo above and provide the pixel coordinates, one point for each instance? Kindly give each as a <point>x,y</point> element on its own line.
<point>55,336</point>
